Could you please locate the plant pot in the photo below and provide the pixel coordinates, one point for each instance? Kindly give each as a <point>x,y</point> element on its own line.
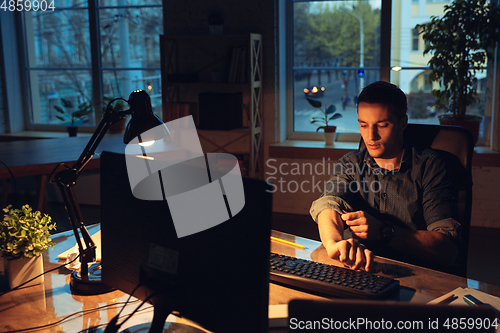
<point>21,270</point>
<point>470,122</point>
<point>329,134</point>
<point>72,130</point>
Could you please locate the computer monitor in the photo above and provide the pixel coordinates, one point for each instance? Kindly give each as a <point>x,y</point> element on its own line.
<point>222,276</point>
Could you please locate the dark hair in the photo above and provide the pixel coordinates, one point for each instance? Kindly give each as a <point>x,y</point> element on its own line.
<point>387,94</point>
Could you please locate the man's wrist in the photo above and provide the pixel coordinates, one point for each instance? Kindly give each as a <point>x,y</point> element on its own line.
<point>330,242</point>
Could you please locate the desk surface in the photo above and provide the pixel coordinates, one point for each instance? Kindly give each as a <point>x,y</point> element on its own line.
<point>52,303</point>
<point>41,156</point>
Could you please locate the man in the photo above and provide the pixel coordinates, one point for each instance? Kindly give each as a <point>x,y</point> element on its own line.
<point>396,200</point>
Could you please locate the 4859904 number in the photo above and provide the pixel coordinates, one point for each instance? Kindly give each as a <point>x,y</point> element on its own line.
<point>27,5</point>
<point>470,323</point>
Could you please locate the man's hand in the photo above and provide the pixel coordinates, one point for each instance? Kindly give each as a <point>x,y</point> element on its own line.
<point>363,225</point>
<point>351,253</point>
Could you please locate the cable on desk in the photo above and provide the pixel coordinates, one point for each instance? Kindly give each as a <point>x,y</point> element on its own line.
<point>62,320</point>
<point>129,297</point>
<point>36,277</point>
<point>113,325</point>
<point>94,328</point>
<point>135,311</point>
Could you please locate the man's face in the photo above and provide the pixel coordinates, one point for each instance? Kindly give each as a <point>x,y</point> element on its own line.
<point>381,131</point>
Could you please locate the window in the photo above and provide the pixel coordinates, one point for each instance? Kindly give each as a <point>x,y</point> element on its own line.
<point>64,62</point>
<point>412,74</point>
<point>326,54</point>
<point>414,39</point>
<point>329,63</point>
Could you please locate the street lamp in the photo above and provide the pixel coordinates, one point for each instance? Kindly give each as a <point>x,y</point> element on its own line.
<point>361,43</point>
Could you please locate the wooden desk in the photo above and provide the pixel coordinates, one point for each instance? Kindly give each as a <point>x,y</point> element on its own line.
<point>40,157</point>
<point>418,284</point>
<point>53,304</point>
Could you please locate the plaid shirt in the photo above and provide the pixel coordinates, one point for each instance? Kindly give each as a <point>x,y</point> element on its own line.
<point>419,195</point>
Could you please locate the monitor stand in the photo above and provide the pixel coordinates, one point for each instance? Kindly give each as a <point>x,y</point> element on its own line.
<point>144,328</point>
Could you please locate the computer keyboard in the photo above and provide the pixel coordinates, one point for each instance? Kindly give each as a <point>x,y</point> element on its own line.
<point>327,279</point>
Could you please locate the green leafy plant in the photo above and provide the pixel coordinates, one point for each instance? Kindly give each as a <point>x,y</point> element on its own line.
<point>25,233</point>
<point>83,110</point>
<point>328,114</point>
<point>116,106</point>
<point>460,43</point>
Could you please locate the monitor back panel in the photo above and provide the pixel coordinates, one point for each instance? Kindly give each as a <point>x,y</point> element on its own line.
<point>221,275</point>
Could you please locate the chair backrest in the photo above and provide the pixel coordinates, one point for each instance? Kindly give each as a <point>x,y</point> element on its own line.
<point>458,146</point>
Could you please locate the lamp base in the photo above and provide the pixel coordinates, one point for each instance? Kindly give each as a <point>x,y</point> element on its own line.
<point>168,328</point>
<point>91,285</point>
<point>144,328</point>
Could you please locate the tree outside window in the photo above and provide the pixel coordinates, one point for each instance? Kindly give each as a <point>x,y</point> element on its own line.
<point>327,54</point>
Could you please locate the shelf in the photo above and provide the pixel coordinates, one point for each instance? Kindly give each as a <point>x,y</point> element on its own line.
<point>201,65</point>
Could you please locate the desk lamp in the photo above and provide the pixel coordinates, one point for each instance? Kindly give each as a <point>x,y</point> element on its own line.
<point>88,280</point>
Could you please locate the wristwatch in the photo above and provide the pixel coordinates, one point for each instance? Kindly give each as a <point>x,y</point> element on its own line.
<point>386,233</point>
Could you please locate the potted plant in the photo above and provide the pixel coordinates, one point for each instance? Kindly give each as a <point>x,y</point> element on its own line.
<point>328,114</point>
<point>460,42</point>
<point>24,235</point>
<point>119,126</point>
<point>83,110</point>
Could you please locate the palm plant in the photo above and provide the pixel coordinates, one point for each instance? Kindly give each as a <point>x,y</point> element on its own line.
<point>328,114</point>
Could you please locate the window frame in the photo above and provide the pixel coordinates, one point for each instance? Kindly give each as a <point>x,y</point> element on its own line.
<point>384,68</point>
<point>286,110</point>
<point>96,69</point>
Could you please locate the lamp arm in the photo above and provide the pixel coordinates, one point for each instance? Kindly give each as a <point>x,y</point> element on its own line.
<point>67,178</point>
<point>110,117</point>
<point>87,253</point>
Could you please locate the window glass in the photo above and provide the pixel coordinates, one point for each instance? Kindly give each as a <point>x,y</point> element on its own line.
<point>65,89</point>
<point>147,80</point>
<point>130,39</point>
<point>411,70</point>
<point>58,38</point>
<point>60,63</point>
<point>59,59</point>
<point>328,62</point>
<point>115,3</point>
<point>414,40</point>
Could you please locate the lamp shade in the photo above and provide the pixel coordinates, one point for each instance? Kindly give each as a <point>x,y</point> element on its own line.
<point>143,118</point>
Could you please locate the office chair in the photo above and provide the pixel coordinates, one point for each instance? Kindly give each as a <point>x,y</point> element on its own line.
<point>457,146</point>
